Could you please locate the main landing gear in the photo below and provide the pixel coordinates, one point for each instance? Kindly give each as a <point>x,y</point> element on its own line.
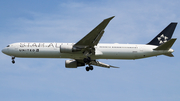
<point>13,59</point>
<point>87,61</point>
<point>89,68</point>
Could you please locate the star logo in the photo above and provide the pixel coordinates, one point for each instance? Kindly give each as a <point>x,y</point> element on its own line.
<point>162,39</point>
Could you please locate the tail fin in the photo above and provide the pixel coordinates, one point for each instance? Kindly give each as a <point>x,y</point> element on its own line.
<point>164,35</point>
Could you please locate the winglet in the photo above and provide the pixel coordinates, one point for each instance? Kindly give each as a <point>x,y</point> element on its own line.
<point>167,45</point>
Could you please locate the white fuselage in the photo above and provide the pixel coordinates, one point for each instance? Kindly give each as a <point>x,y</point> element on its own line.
<point>102,51</point>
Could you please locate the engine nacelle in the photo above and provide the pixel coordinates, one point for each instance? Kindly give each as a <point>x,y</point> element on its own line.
<point>73,64</point>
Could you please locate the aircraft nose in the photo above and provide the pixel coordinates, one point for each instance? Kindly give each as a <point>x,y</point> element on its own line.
<point>4,51</point>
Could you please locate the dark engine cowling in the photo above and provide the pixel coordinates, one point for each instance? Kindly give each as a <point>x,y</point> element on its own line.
<point>73,64</point>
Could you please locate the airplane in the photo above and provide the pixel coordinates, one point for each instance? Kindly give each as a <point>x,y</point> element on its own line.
<point>88,50</point>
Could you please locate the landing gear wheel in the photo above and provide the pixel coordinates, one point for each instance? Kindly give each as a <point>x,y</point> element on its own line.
<point>87,61</point>
<point>13,61</point>
<point>91,67</point>
<point>87,68</point>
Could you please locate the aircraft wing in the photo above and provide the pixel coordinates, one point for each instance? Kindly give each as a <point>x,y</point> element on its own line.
<point>97,63</point>
<point>93,37</point>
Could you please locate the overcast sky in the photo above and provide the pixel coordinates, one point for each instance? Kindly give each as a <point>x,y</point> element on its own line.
<point>136,21</point>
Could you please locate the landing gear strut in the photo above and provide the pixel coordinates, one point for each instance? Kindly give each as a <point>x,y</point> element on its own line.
<point>87,61</point>
<point>13,59</point>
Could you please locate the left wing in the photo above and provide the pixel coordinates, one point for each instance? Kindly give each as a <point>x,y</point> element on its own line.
<point>88,42</point>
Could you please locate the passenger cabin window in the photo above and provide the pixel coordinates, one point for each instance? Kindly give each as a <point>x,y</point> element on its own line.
<point>8,45</point>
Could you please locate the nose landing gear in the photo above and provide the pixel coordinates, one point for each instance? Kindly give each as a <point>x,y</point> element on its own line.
<point>13,59</point>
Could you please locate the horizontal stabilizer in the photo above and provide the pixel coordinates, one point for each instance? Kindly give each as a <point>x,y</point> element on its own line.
<point>167,45</point>
<point>169,54</point>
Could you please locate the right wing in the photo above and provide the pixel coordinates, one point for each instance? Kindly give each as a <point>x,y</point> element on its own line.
<point>97,63</point>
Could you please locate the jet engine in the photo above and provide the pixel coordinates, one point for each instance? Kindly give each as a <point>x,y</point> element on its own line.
<point>73,64</point>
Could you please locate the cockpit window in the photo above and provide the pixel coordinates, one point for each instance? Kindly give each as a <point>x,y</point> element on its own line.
<point>8,46</point>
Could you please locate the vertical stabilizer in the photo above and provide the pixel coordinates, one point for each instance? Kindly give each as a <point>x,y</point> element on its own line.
<point>164,35</point>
